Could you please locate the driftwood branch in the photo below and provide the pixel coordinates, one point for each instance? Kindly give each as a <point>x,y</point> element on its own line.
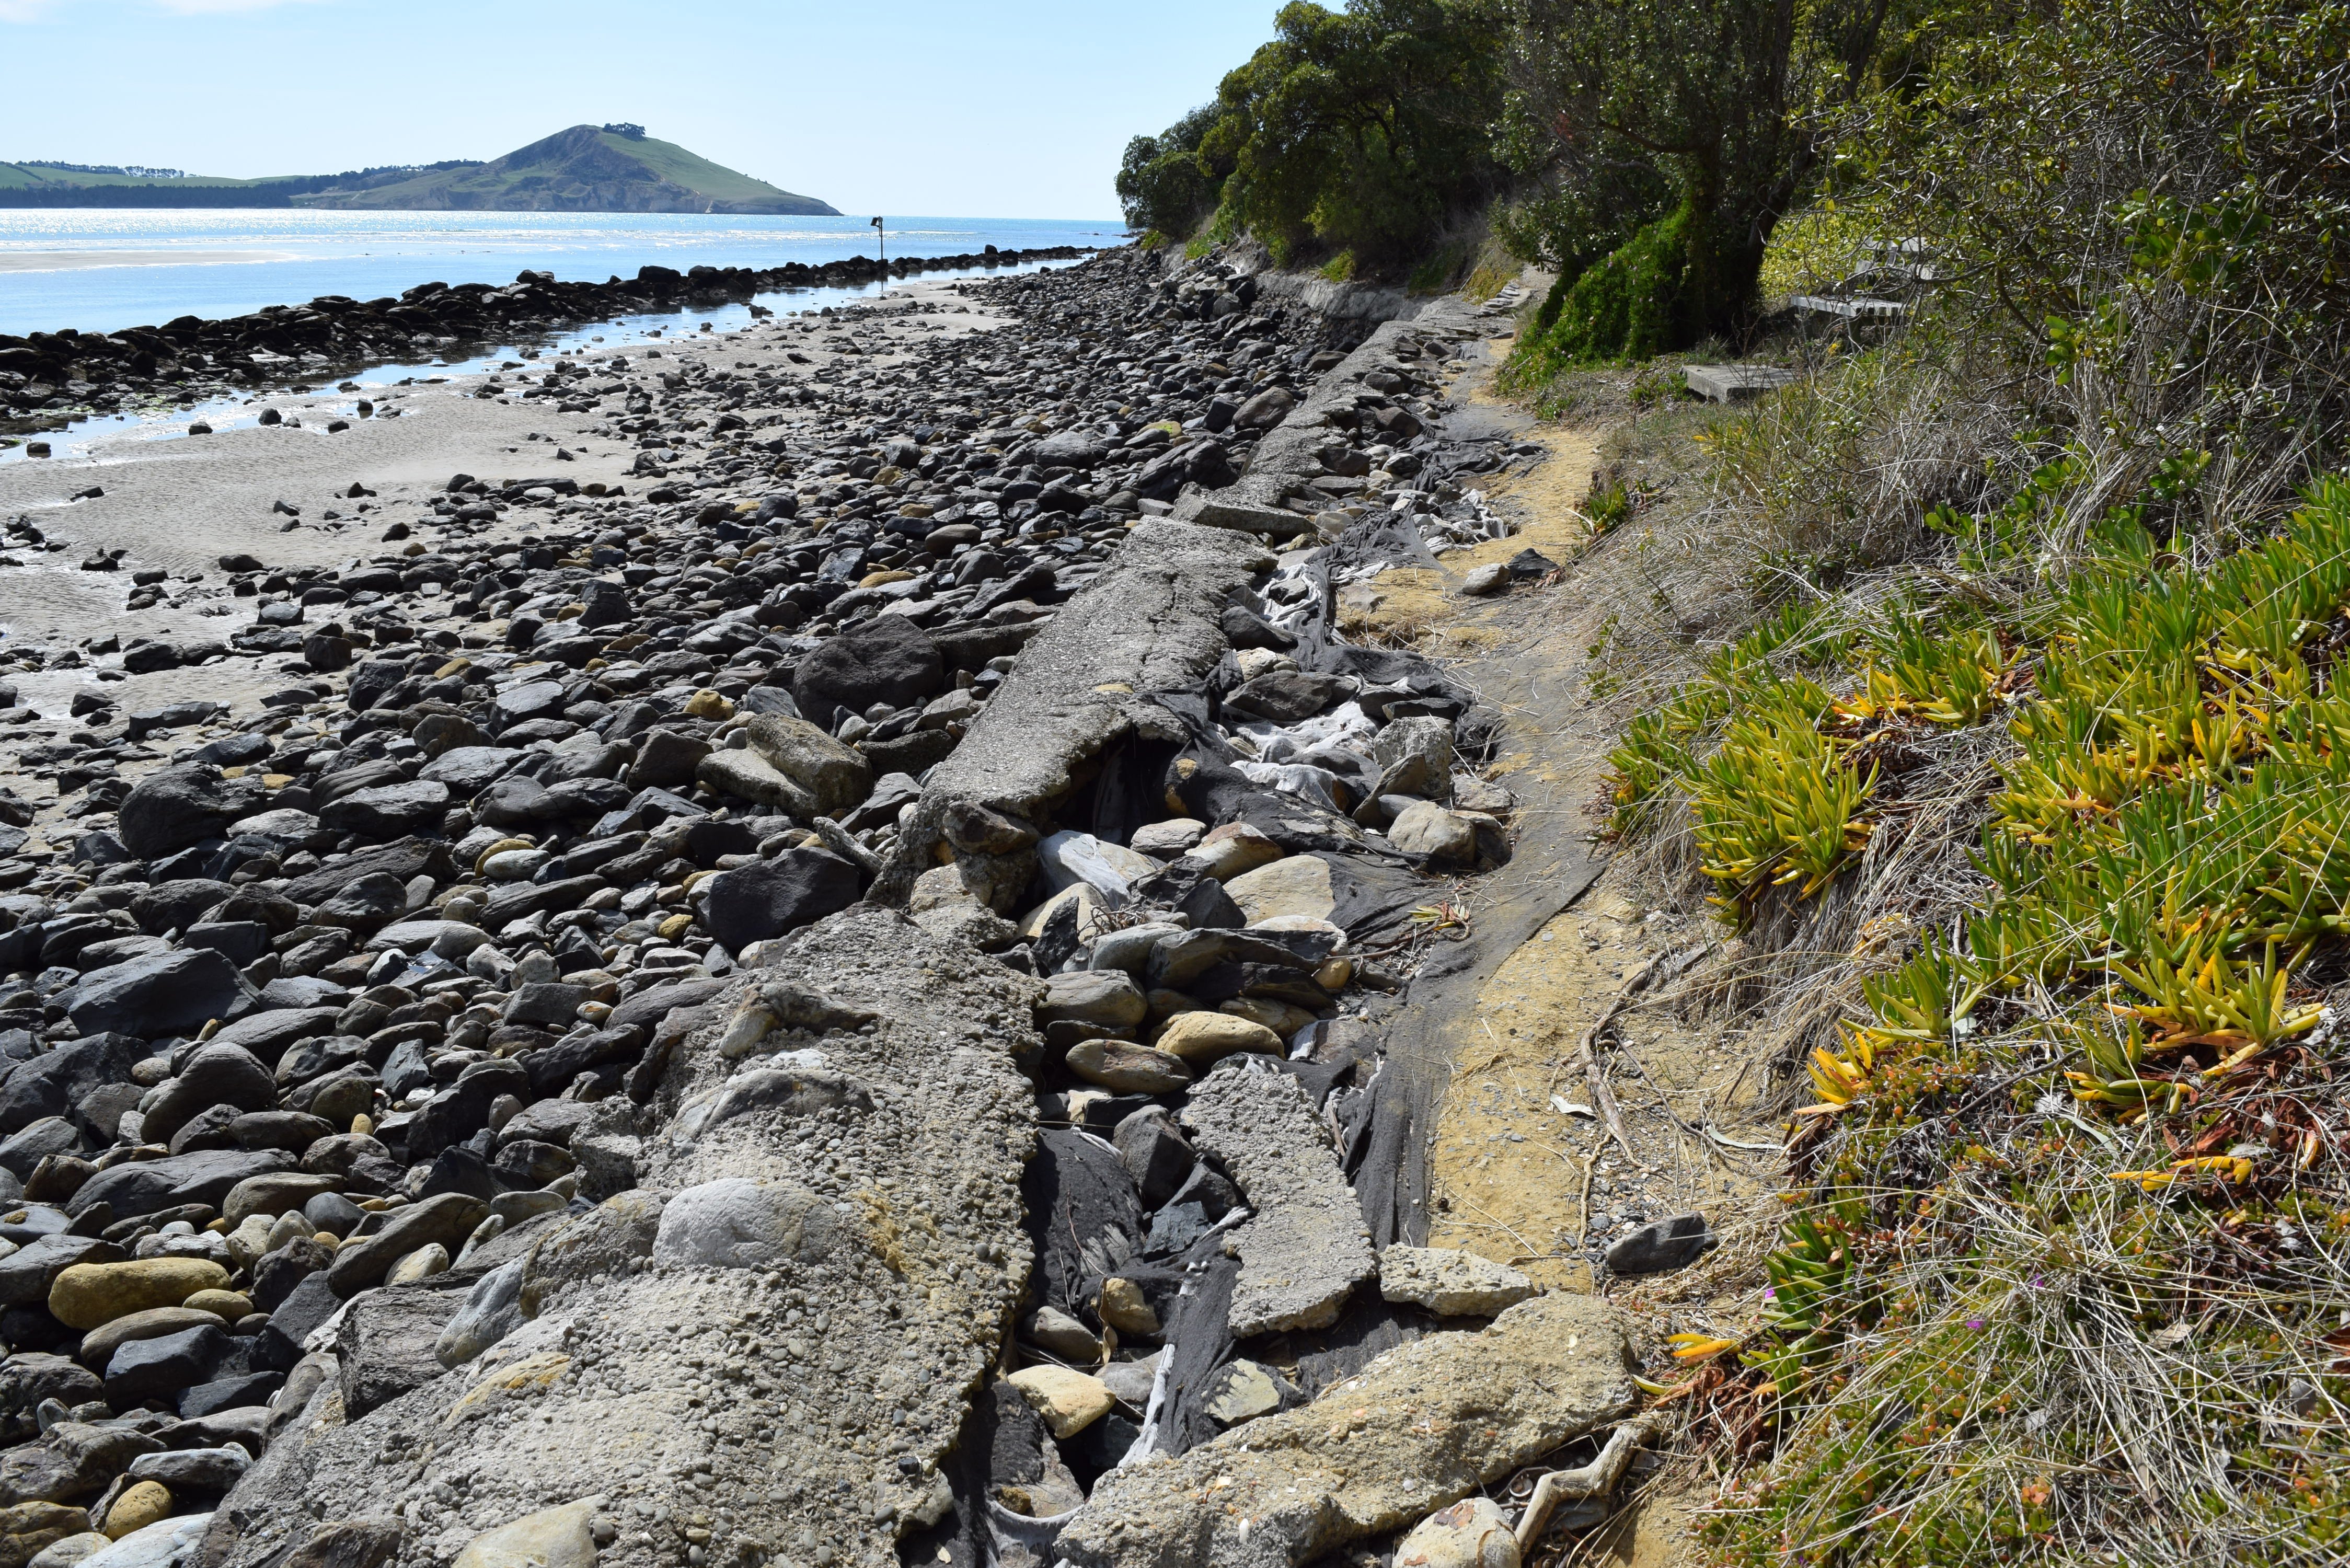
<point>1594,1479</point>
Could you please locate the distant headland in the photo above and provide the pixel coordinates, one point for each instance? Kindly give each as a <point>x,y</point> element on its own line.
<point>585,169</point>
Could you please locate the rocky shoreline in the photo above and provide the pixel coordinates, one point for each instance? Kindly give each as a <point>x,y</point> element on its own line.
<point>49,376</point>
<point>823,1011</point>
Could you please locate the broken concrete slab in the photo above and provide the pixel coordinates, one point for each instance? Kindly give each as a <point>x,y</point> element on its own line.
<point>785,1398</point>
<point>1730,383</point>
<point>1420,1427</point>
<point>1451,1282</point>
<point>1303,1248</point>
<point>1230,509</point>
<point>1151,621</point>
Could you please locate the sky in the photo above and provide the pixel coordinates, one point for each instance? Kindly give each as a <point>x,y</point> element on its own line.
<point>927,106</point>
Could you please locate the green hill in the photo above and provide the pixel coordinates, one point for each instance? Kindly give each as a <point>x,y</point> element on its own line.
<point>582,169</point>
<point>587,169</point>
<point>74,176</point>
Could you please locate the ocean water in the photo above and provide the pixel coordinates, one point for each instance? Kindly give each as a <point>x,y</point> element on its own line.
<point>367,255</point>
<point>102,269</point>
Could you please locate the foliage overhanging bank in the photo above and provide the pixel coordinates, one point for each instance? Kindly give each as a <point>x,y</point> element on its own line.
<point>2045,603</point>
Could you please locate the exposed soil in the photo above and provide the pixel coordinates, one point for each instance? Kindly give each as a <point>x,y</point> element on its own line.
<point>1523,1166</point>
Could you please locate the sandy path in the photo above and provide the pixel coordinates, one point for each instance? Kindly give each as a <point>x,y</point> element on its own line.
<point>1559,934</point>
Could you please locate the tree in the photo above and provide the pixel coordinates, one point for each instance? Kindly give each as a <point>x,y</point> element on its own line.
<point>1363,129</point>
<point>1163,185</point>
<point>1667,137</point>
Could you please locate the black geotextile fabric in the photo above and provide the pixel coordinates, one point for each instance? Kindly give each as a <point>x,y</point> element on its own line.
<point>1367,1329</point>
<point>1089,1218</point>
<point>1380,1145</point>
<point>1199,1339</point>
<point>1379,538</point>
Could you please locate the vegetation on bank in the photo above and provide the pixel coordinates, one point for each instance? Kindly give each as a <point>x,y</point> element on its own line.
<point>2014,754</point>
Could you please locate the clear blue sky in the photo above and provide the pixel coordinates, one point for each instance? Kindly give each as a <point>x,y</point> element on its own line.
<point>931,107</point>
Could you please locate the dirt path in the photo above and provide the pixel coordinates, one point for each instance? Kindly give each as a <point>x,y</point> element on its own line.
<point>1520,1167</point>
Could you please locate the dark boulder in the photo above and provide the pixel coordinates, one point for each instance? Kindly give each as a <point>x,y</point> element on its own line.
<point>447,1218</point>
<point>167,812</point>
<point>385,1344</point>
<point>1663,1244</point>
<point>144,1186</point>
<point>216,1074</point>
<point>885,660</point>
<point>373,681</point>
<point>389,810</point>
<point>148,1368</point>
<point>276,1274</point>
<point>53,1084</point>
<point>24,1149</point>
<point>267,1033</point>
<point>1285,696</point>
<point>798,888</point>
<point>163,994</point>
<point>173,906</point>
<point>463,1109</point>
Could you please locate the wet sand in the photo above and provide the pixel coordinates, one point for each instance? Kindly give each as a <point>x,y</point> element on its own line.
<point>78,260</point>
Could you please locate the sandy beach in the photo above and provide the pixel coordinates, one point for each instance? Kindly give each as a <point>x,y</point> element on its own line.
<point>179,505</point>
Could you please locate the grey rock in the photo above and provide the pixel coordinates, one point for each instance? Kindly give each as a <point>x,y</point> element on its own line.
<point>1304,1247</point>
<point>1660,1245</point>
<point>348,1543</point>
<point>166,1543</point>
<point>1483,582</point>
<point>739,1223</point>
<point>1451,1282</point>
<point>385,1344</point>
<point>1428,832</point>
<point>1104,998</point>
<point>1423,1424</point>
<point>1070,448</point>
<point>192,1469</point>
<point>492,1311</point>
<point>31,1377</point>
<point>837,777</point>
